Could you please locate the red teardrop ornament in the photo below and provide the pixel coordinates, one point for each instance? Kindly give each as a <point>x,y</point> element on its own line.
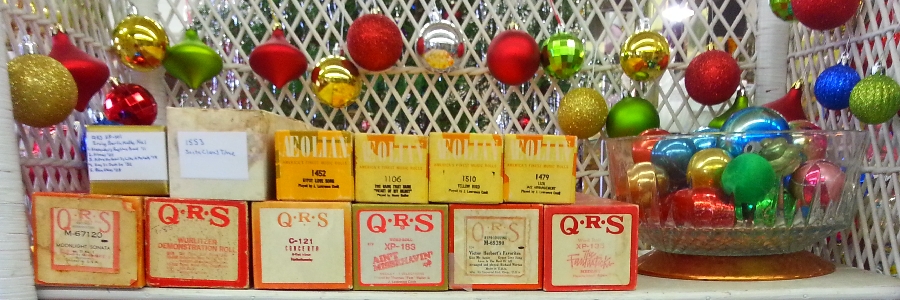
<point>790,105</point>
<point>90,73</point>
<point>278,61</point>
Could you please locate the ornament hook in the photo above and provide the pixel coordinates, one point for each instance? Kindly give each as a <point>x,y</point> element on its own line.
<point>643,25</point>
<point>877,69</point>
<point>844,59</point>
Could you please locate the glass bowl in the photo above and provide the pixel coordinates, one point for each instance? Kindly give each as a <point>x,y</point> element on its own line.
<point>739,194</point>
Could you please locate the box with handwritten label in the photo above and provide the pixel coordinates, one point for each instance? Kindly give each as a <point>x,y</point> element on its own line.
<point>496,247</point>
<point>88,240</point>
<point>400,247</point>
<point>224,153</point>
<point>314,165</point>
<point>391,168</point>
<point>197,243</point>
<point>465,168</point>
<point>302,245</point>
<point>539,168</point>
<point>127,160</point>
<point>591,245</point>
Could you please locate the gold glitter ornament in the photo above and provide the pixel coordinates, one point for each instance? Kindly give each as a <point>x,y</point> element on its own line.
<point>582,113</point>
<point>43,91</point>
<point>336,81</point>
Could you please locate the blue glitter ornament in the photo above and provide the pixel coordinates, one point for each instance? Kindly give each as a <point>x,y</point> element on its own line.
<point>747,121</point>
<point>834,85</point>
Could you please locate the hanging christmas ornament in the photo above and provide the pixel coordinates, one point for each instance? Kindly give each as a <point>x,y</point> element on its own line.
<point>129,104</point>
<point>876,98</point>
<point>748,178</point>
<point>90,73</point>
<point>440,45</point>
<point>336,81</point>
<point>833,86</point>
<point>140,43</point>
<point>582,113</point>
<point>790,106</point>
<point>278,61</point>
<point>641,148</point>
<point>42,89</point>
<point>630,116</point>
<point>513,57</point>
<point>374,42</point>
<point>645,54</point>
<point>824,14</point>
<point>712,77</point>
<point>192,61</point>
<point>782,9</point>
<point>740,102</point>
<point>562,55</point>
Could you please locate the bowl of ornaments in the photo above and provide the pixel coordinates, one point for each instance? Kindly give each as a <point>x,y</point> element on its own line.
<point>741,202</point>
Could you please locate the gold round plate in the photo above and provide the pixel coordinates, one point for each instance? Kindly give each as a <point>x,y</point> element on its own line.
<point>795,265</point>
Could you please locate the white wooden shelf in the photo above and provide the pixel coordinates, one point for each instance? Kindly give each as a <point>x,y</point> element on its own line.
<point>846,283</point>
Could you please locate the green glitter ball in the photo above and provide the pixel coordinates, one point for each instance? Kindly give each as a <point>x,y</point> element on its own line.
<point>875,99</point>
<point>562,55</point>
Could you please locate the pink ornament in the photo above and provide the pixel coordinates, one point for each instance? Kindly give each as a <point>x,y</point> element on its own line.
<point>817,176</point>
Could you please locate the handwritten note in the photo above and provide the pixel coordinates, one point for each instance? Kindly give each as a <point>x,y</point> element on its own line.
<point>213,155</point>
<point>126,155</point>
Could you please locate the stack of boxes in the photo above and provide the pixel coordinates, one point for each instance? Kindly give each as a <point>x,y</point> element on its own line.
<point>438,212</point>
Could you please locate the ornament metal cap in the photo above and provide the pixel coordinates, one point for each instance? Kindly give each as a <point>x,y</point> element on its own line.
<point>27,46</point>
<point>57,29</point>
<point>797,84</point>
<point>844,60</point>
<point>741,92</point>
<point>877,69</point>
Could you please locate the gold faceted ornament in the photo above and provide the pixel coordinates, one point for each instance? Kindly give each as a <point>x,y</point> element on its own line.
<point>582,113</point>
<point>43,91</point>
<point>336,82</point>
<point>644,56</point>
<point>140,42</point>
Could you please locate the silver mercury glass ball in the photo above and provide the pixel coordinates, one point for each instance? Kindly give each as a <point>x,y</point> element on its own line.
<point>440,47</point>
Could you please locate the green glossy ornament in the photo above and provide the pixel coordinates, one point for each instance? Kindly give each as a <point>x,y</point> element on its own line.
<point>766,212</point>
<point>784,157</point>
<point>562,55</point>
<point>192,61</point>
<point>875,99</point>
<point>748,177</point>
<point>782,9</point>
<point>631,116</point>
<point>740,102</point>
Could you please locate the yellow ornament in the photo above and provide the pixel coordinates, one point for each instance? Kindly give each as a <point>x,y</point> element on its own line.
<point>140,43</point>
<point>336,81</point>
<point>706,166</point>
<point>43,91</point>
<point>645,56</point>
<point>582,113</point>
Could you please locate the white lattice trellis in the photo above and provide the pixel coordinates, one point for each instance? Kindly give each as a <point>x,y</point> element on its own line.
<point>408,99</point>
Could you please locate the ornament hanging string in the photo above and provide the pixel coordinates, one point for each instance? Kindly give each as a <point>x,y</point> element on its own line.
<point>556,14</point>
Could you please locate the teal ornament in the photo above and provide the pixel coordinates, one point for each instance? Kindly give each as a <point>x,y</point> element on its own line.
<point>748,177</point>
<point>706,141</point>
<point>192,61</point>
<point>674,156</point>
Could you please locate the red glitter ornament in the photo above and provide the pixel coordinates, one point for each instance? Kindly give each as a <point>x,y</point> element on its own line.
<point>824,14</point>
<point>374,42</point>
<point>90,73</point>
<point>278,61</point>
<point>513,57</point>
<point>701,207</point>
<point>712,77</point>
<point>790,105</point>
<point>130,104</point>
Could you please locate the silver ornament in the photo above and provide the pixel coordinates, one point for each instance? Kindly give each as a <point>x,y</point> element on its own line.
<point>440,46</point>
